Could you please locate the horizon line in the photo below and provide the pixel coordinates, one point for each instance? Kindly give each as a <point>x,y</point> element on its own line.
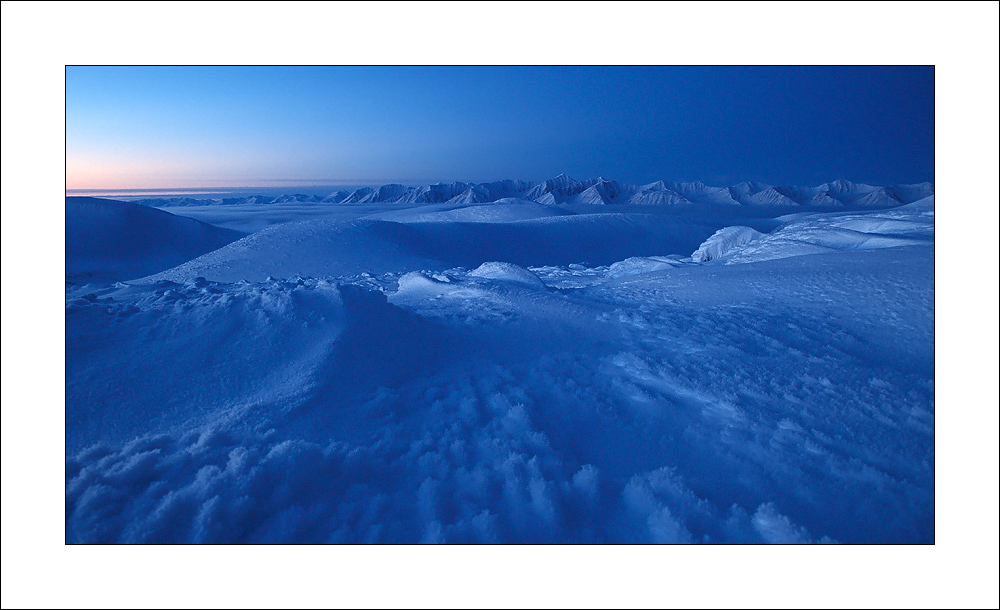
<point>343,185</point>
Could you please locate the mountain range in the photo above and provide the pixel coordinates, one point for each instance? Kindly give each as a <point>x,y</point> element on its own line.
<point>598,191</point>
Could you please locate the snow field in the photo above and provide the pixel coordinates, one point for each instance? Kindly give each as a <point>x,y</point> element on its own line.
<point>561,378</point>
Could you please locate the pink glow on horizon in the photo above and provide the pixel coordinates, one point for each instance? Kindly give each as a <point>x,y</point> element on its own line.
<point>96,177</point>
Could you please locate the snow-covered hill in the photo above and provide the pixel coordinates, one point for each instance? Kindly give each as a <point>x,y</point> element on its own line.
<point>114,240</point>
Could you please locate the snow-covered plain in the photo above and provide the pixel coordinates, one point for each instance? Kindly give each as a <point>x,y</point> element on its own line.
<point>582,362</point>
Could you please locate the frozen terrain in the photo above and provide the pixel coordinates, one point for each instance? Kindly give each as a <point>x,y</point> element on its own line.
<point>581,362</point>
<point>112,240</point>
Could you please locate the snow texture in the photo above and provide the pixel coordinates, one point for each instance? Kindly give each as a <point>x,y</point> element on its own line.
<point>115,240</point>
<point>724,243</point>
<point>449,370</point>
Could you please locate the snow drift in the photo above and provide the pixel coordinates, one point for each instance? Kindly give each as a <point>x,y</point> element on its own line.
<point>419,240</point>
<point>816,233</point>
<point>114,240</point>
<point>724,242</point>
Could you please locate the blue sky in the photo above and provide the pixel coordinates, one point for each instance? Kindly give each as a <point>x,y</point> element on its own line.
<point>163,127</point>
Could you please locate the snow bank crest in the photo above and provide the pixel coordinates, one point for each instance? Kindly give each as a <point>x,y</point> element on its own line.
<point>637,265</point>
<point>507,272</point>
<point>724,242</point>
<point>417,281</point>
<point>112,240</point>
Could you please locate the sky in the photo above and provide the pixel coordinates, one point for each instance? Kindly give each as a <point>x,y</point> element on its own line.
<point>141,127</point>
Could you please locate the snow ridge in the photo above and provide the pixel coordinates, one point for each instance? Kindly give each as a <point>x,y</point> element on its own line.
<point>117,240</point>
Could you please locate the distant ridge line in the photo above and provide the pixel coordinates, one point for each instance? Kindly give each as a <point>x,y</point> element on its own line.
<point>595,191</point>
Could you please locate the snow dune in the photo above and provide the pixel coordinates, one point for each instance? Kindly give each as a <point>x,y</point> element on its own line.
<point>420,240</point>
<point>190,351</point>
<point>817,233</point>
<point>114,240</point>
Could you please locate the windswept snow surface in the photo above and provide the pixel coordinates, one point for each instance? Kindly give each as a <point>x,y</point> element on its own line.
<point>524,373</point>
<point>115,240</point>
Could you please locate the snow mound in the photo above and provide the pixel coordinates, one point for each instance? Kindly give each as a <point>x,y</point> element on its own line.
<point>110,240</point>
<point>312,248</point>
<point>429,285</point>
<point>923,207</point>
<point>818,233</point>
<point>181,353</point>
<point>641,264</point>
<point>416,280</point>
<point>508,273</point>
<point>723,243</point>
<point>174,352</point>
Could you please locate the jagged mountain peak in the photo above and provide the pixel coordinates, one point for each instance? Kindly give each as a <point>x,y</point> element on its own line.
<point>563,189</point>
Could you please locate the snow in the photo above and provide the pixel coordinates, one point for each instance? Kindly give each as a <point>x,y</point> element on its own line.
<point>506,272</point>
<point>439,237</point>
<point>642,264</point>
<point>811,233</point>
<point>114,240</point>
<point>515,371</point>
<point>724,242</point>
<point>595,191</point>
<point>506,209</point>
